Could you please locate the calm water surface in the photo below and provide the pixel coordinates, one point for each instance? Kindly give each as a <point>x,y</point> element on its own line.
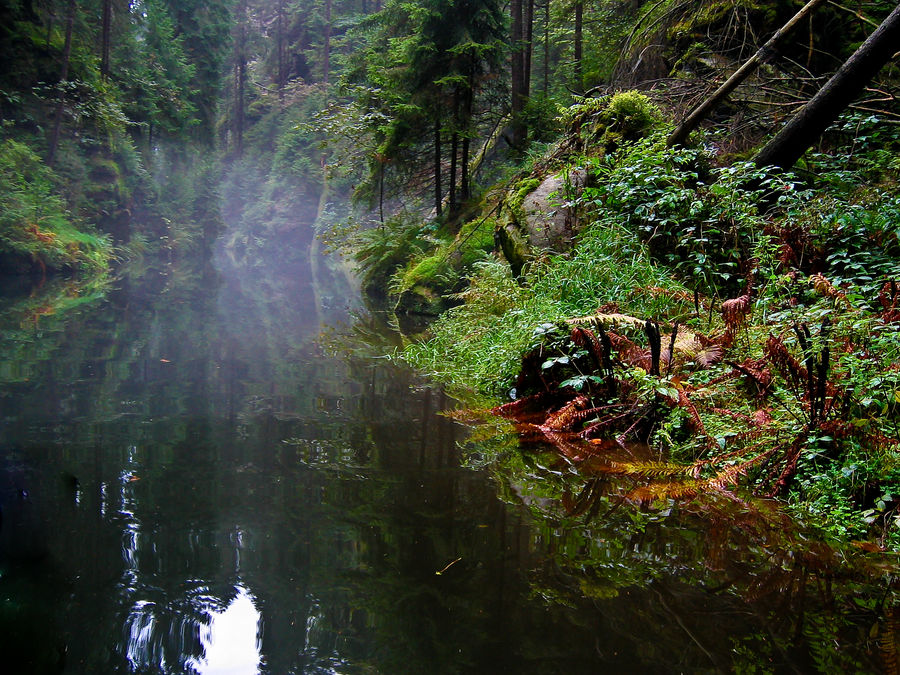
<point>195,478</point>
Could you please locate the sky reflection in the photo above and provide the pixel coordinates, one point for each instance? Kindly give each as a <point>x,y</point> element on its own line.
<point>231,640</point>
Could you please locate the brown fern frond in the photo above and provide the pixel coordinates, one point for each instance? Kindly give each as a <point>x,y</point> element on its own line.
<point>584,337</point>
<point>522,405</point>
<point>698,466</point>
<point>826,288</point>
<point>650,469</point>
<point>600,348</point>
<point>789,367</point>
<point>736,310</point>
<point>709,356</point>
<point>618,341</point>
<point>610,319</point>
<point>729,476</point>
<point>530,433</point>
<point>562,442</point>
<point>566,417</point>
<point>879,441</point>
<point>582,415</point>
<point>889,298</point>
<point>790,468</point>
<point>677,490</point>
<point>688,346</point>
<point>762,417</point>
<point>756,372</point>
<point>697,423</point>
<point>749,435</point>
<point>607,423</point>
<point>636,356</point>
<point>731,375</point>
<point>732,414</point>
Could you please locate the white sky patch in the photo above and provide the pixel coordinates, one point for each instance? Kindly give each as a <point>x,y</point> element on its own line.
<point>231,642</point>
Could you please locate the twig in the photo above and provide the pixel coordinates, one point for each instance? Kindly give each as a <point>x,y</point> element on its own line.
<point>449,565</point>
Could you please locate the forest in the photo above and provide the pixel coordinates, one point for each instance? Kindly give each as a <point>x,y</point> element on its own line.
<point>665,225</point>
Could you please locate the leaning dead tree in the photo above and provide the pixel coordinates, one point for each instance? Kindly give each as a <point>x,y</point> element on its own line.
<point>763,55</point>
<point>808,124</point>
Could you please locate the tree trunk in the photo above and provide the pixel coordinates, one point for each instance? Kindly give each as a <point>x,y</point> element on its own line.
<point>454,151</point>
<point>845,85</point>
<point>240,77</point>
<point>239,105</point>
<point>579,20</point>
<point>464,180</point>
<point>528,20</point>
<point>279,39</point>
<point>105,38</point>
<point>519,131</point>
<point>381,191</point>
<point>326,57</point>
<point>546,47</point>
<point>437,164</point>
<point>63,79</point>
<point>50,17</point>
<point>764,54</point>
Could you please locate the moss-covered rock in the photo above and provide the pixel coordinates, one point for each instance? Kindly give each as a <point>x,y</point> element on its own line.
<point>545,219</point>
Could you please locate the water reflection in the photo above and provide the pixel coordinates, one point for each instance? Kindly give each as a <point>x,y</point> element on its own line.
<point>187,468</point>
<point>231,640</point>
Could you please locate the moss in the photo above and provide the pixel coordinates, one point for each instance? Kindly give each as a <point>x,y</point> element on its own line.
<point>520,191</point>
<point>696,24</point>
<point>514,247</point>
<point>631,114</point>
<point>603,123</point>
<point>476,238</point>
<point>576,115</point>
<point>443,268</point>
<point>423,271</point>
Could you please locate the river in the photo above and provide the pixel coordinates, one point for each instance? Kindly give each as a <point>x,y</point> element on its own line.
<point>213,469</point>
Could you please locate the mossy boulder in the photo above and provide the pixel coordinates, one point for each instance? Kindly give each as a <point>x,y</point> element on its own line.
<point>544,219</point>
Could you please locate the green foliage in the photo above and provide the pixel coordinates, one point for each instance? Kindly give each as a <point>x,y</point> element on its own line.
<point>157,77</point>
<point>445,269</point>
<point>817,262</point>
<point>541,117</point>
<point>702,221</point>
<point>607,122</point>
<point>479,344</point>
<point>382,250</point>
<point>419,74</point>
<point>34,222</point>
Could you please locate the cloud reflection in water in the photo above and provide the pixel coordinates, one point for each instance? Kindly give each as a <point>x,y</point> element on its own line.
<point>231,640</point>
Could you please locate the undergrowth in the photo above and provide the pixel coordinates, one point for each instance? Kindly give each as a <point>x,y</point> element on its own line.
<point>35,225</point>
<point>740,321</point>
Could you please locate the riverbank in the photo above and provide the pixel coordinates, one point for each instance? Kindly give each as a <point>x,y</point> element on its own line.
<point>740,322</point>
